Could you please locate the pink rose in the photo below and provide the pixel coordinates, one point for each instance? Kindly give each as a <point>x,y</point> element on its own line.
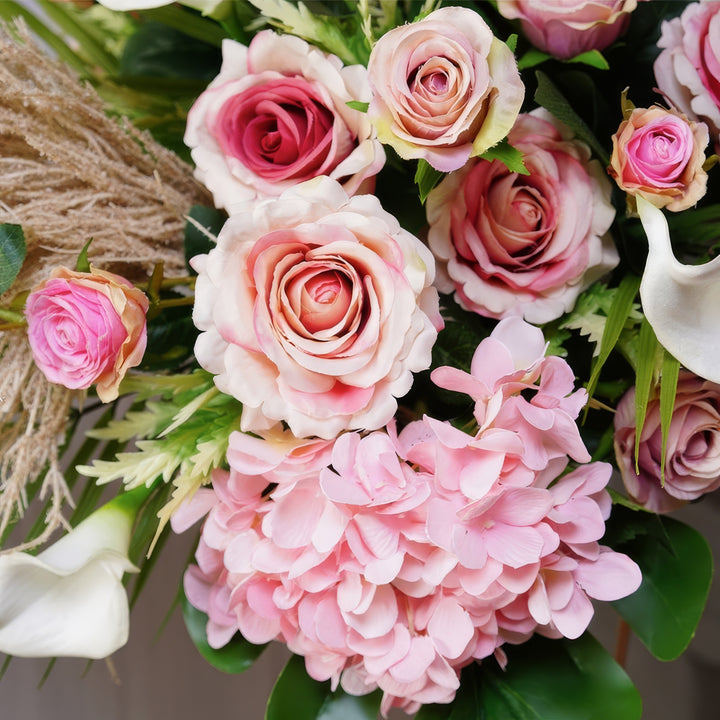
<point>443,88</point>
<point>511,244</point>
<point>277,115</point>
<point>659,154</point>
<point>316,310</point>
<point>687,71</point>
<point>87,328</point>
<point>566,28</point>
<point>692,455</point>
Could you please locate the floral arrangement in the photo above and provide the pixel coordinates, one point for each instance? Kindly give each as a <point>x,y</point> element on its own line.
<point>404,307</point>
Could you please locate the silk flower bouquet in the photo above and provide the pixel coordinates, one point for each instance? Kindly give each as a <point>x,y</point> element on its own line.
<point>409,307</point>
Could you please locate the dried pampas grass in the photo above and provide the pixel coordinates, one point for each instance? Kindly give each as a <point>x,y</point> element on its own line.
<point>70,172</point>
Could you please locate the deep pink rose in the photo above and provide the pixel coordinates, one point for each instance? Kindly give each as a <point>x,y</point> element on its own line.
<point>316,310</point>
<point>566,28</point>
<point>277,115</point>
<point>443,88</point>
<point>510,244</point>
<point>87,328</point>
<point>687,71</point>
<point>692,455</point>
<point>659,154</point>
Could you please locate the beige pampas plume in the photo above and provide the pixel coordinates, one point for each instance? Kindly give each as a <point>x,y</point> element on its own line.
<point>70,172</point>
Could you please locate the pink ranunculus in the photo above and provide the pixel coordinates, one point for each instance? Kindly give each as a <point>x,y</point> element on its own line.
<point>315,309</point>
<point>692,455</point>
<point>278,114</point>
<point>687,70</point>
<point>87,328</point>
<point>443,88</point>
<point>566,28</point>
<point>659,154</point>
<point>511,244</point>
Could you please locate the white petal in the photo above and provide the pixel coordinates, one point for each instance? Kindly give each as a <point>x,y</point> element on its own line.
<point>680,301</point>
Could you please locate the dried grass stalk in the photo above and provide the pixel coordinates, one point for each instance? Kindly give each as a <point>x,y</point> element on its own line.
<point>70,172</point>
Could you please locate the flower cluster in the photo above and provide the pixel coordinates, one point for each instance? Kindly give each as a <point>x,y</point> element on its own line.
<point>392,560</point>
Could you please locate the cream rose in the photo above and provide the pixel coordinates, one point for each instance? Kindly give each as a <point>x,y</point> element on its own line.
<point>316,309</point>
<point>443,88</point>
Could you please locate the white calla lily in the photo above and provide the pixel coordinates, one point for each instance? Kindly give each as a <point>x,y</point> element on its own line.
<point>69,601</point>
<point>680,301</point>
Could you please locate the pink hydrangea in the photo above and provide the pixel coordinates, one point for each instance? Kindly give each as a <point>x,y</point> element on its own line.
<point>392,560</point>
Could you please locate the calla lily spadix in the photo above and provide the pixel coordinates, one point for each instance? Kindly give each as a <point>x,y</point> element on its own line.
<point>680,301</point>
<point>69,600</point>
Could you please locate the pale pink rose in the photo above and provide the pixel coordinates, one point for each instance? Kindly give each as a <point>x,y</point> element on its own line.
<point>692,455</point>
<point>315,309</point>
<point>687,70</point>
<point>444,88</point>
<point>528,245</point>
<point>659,154</point>
<point>278,114</point>
<point>566,28</point>
<point>87,328</point>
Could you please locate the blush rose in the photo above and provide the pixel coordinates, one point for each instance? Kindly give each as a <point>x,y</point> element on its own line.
<point>278,114</point>
<point>87,328</point>
<point>443,88</point>
<point>692,455</point>
<point>315,309</point>
<point>687,70</point>
<point>510,244</point>
<point>659,154</point>
<point>568,28</point>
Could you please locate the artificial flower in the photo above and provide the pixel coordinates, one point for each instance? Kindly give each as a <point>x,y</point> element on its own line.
<point>511,244</point>
<point>87,328</point>
<point>692,456</point>
<point>278,114</point>
<point>568,28</point>
<point>208,7</point>
<point>659,154</point>
<point>316,309</point>
<point>687,70</point>
<point>69,600</point>
<point>679,300</point>
<point>443,88</point>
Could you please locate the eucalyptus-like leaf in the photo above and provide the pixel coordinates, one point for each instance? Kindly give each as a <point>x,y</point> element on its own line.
<point>680,301</point>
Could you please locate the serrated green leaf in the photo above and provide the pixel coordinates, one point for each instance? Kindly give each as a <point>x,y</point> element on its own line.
<point>594,58</point>
<point>555,102</point>
<point>665,610</point>
<point>510,156</point>
<point>511,42</point>
<point>646,373</point>
<point>12,254</point>
<point>235,657</point>
<point>426,178</point>
<point>619,312</point>
<point>296,695</point>
<point>668,387</point>
<point>357,105</point>
<point>532,58</point>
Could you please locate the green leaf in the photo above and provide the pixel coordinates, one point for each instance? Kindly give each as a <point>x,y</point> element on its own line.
<point>197,240</point>
<point>645,376</point>
<point>235,657</point>
<point>357,105</point>
<point>511,157</point>
<point>83,264</point>
<point>532,58</point>
<point>189,23</point>
<point>298,696</point>
<point>511,42</point>
<point>594,58</point>
<point>668,387</point>
<point>12,254</point>
<point>555,102</point>
<point>677,568</point>
<point>544,680</point>
<point>619,312</point>
<point>426,178</point>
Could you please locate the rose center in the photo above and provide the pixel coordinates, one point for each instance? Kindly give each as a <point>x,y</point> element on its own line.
<point>321,299</point>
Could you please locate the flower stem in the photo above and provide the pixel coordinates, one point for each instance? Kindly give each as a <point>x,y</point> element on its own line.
<point>621,642</point>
